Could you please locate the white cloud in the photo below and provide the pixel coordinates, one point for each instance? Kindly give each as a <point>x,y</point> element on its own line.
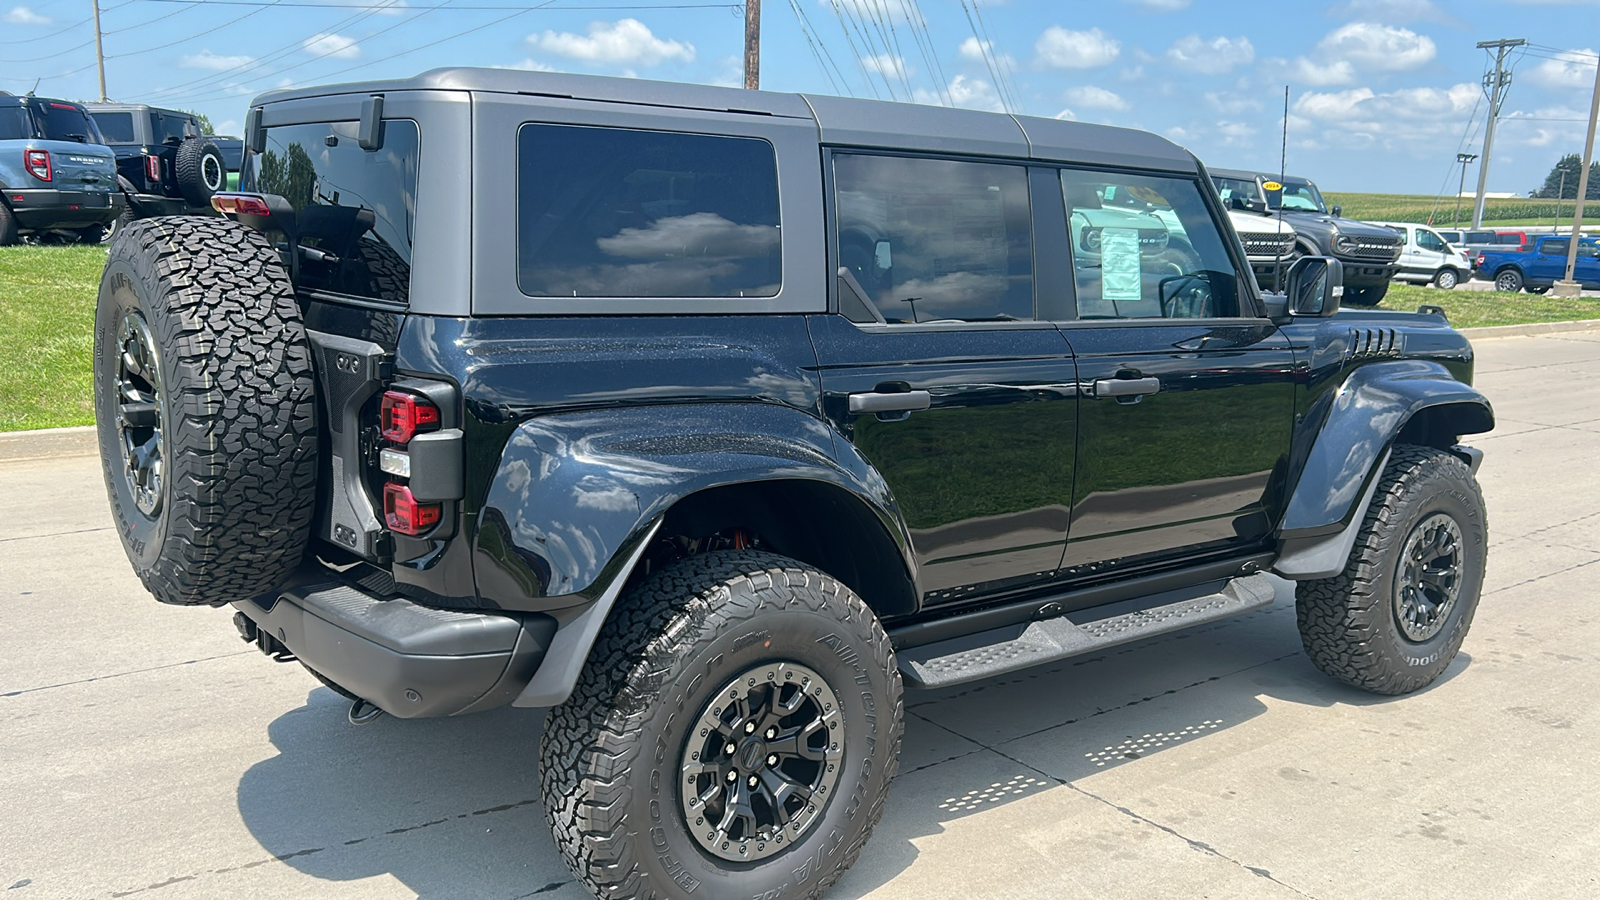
<point>530,65</point>
<point>1163,5</point>
<point>1091,97</point>
<point>1391,11</point>
<point>205,59</point>
<point>888,65</point>
<point>1211,57</point>
<point>22,15</point>
<point>1570,69</point>
<point>1367,45</point>
<point>972,50</point>
<point>1423,116</point>
<point>1065,49</point>
<point>1067,115</point>
<point>624,42</point>
<point>335,45</point>
<point>228,126</point>
<point>1339,105</point>
<point>966,91</point>
<point>1232,104</point>
<point>870,10</point>
<point>1336,71</point>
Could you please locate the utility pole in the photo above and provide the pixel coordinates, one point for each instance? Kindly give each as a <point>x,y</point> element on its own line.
<point>1569,287</point>
<point>1496,83</point>
<point>99,51</point>
<point>752,44</point>
<point>1560,193</point>
<point>1461,187</point>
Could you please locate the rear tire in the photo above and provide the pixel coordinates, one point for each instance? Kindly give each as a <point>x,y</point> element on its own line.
<point>1508,280</point>
<point>1365,296</point>
<point>8,226</point>
<point>93,234</point>
<point>1394,619</point>
<point>651,706</point>
<point>206,409</point>
<point>1446,279</point>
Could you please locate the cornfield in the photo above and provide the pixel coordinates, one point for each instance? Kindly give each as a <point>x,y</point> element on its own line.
<point>1417,207</point>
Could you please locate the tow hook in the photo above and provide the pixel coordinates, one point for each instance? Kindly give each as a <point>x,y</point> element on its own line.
<point>251,633</point>
<point>364,713</point>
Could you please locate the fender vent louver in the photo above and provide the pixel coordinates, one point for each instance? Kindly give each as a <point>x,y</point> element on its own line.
<point>1366,343</point>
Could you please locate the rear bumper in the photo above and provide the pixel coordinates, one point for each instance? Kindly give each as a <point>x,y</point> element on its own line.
<point>411,661</point>
<point>54,208</point>
<point>150,205</point>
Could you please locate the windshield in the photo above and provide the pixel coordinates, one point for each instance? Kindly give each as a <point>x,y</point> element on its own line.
<point>1302,195</point>
<point>116,127</point>
<point>1244,189</point>
<point>65,122</point>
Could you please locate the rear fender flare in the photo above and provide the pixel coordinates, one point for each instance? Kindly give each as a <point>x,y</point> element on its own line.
<point>573,490</point>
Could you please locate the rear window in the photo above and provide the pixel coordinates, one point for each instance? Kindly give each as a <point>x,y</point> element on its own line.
<point>15,125</point>
<point>612,212</point>
<point>64,122</point>
<point>355,209</point>
<point>1508,239</point>
<point>116,127</point>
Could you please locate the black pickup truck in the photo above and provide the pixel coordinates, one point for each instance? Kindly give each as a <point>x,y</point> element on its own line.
<point>733,415</point>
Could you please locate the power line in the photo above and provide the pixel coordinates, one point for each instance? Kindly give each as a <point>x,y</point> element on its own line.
<point>187,6</point>
<point>816,53</point>
<point>919,27</point>
<point>191,37</point>
<point>383,6</point>
<point>1006,77</point>
<point>985,49</point>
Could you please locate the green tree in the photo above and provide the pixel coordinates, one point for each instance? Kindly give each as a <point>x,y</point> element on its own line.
<point>291,176</point>
<point>1563,178</point>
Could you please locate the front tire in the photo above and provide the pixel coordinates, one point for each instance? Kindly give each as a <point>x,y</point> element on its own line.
<point>1365,296</point>
<point>1446,279</point>
<point>1394,619</point>
<point>711,653</point>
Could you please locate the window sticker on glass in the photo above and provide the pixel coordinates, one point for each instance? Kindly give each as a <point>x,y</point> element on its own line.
<point>1119,264</point>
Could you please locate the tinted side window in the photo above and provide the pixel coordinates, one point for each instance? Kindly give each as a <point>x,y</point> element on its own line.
<point>613,212</point>
<point>355,207</point>
<point>1554,247</point>
<point>936,239</point>
<point>167,126</point>
<point>117,127</point>
<point>1146,246</point>
<point>1427,240</point>
<point>15,124</point>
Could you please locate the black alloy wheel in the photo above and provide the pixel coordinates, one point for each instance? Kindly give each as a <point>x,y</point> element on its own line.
<point>136,385</point>
<point>1429,580</point>
<point>764,756</point>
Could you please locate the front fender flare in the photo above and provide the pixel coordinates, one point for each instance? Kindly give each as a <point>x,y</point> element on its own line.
<point>1356,427</point>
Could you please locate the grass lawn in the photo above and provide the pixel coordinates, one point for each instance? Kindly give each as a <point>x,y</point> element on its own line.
<point>1474,309</point>
<point>47,297</point>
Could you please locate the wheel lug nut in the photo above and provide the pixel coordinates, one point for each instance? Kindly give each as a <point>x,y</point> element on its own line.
<point>749,727</point>
<point>729,749</point>
<point>753,781</point>
<point>732,777</point>
<point>772,733</point>
<point>772,760</point>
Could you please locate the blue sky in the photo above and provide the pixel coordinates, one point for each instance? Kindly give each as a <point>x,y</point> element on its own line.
<point>1383,92</point>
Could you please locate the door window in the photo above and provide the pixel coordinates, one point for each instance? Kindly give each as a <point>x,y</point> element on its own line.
<point>116,127</point>
<point>1587,251</point>
<point>1427,240</point>
<point>1555,247</point>
<point>933,240</point>
<point>1146,247</point>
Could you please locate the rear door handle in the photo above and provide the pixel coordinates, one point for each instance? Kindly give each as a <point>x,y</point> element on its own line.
<point>900,401</point>
<point>1126,387</point>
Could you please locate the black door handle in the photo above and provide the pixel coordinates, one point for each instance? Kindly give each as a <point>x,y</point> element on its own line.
<point>900,401</point>
<point>1126,387</point>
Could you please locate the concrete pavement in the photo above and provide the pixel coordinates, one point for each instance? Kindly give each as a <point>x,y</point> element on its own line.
<point>146,752</point>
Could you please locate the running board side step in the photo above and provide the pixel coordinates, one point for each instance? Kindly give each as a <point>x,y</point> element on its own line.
<point>1002,650</point>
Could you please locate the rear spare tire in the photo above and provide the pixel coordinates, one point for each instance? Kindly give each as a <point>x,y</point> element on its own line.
<point>199,170</point>
<point>206,409</point>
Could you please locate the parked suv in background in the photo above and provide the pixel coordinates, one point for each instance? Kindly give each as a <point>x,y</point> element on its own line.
<point>165,166</point>
<point>707,419</point>
<point>56,175</point>
<point>1370,254</point>
<point>1427,258</point>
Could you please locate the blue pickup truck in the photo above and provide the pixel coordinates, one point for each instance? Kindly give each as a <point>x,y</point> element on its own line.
<point>1538,267</point>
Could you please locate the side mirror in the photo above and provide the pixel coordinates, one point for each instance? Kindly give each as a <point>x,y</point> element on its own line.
<point>1255,205</point>
<point>1314,286</point>
<point>1237,202</point>
<point>1337,211</point>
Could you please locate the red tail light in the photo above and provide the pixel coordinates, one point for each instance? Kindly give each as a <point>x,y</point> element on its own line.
<point>37,162</point>
<point>402,415</point>
<point>1480,260</point>
<point>245,204</point>
<point>402,512</point>
<point>152,167</point>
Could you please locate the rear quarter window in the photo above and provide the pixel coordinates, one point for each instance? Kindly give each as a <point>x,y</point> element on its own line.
<point>15,124</point>
<point>615,212</point>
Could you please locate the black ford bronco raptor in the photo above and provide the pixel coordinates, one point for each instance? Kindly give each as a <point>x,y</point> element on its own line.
<point>707,419</point>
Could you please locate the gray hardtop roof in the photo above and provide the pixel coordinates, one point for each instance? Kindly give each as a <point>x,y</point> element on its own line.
<point>1251,175</point>
<point>133,107</point>
<point>840,120</point>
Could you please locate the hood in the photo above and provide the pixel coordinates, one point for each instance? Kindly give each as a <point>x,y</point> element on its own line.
<point>1255,223</point>
<point>1303,220</point>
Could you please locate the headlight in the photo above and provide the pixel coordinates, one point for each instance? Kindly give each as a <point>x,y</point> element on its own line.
<point>1091,240</point>
<point>1344,243</point>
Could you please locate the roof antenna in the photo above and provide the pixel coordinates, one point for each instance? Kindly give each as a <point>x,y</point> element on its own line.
<point>35,86</point>
<point>1283,168</point>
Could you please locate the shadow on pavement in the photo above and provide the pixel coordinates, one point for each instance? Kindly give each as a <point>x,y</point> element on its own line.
<point>451,807</point>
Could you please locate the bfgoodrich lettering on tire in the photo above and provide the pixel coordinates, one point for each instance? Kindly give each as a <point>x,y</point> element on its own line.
<point>1394,619</point>
<point>206,409</point>
<point>733,735</point>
